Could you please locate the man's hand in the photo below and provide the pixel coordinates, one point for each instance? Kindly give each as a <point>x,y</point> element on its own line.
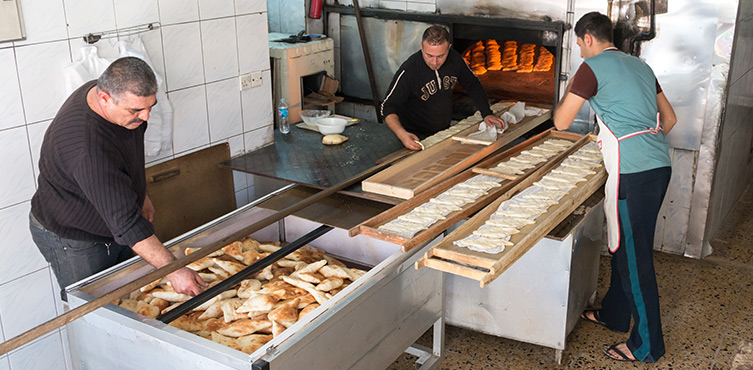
<point>186,281</point>
<point>409,140</point>
<point>183,280</point>
<point>492,120</point>
<point>148,209</point>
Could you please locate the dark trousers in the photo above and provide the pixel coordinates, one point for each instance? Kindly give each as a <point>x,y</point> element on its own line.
<point>633,290</point>
<point>73,260</point>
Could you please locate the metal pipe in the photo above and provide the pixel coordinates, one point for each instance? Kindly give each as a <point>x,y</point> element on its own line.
<point>241,275</point>
<point>159,273</point>
<point>651,32</point>
<point>367,59</point>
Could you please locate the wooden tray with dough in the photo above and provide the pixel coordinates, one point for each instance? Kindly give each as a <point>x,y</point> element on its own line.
<point>486,267</point>
<point>370,227</point>
<point>427,168</point>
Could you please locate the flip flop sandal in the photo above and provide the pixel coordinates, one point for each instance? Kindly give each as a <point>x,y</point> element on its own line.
<point>619,357</point>
<point>595,320</point>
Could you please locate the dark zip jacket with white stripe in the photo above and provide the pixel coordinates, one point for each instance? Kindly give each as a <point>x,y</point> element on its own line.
<point>422,97</point>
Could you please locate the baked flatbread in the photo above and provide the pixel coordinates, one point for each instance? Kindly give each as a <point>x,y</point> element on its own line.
<point>521,212</point>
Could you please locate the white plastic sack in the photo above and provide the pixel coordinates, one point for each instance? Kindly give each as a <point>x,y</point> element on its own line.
<point>159,132</point>
<point>90,67</point>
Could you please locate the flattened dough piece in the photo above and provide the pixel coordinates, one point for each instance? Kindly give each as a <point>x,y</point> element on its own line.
<point>334,139</point>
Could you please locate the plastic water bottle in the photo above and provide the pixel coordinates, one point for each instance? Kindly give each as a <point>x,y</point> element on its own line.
<point>282,113</point>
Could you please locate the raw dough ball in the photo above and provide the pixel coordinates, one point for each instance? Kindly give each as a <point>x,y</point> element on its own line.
<point>334,139</point>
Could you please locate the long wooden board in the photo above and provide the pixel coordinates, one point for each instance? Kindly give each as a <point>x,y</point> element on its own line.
<point>429,167</point>
<point>370,227</point>
<point>448,257</point>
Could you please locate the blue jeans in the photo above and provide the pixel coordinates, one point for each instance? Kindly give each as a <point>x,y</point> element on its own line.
<point>73,260</point>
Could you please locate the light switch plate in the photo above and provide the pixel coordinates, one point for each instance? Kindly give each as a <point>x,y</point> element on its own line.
<point>11,21</point>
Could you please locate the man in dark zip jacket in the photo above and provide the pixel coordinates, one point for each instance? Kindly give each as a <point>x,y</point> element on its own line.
<point>419,100</point>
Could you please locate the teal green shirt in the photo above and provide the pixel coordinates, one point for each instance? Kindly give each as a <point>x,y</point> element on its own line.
<point>625,99</point>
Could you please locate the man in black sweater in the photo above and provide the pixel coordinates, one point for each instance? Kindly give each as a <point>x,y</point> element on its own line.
<point>91,210</point>
<point>419,100</point>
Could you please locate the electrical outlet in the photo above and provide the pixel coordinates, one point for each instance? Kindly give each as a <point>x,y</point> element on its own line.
<point>256,79</point>
<point>246,81</point>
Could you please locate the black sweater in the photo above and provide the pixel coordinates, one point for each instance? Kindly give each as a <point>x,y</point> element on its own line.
<point>92,181</point>
<point>422,97</point>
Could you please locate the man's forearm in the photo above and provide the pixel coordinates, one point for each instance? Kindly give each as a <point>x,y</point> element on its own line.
<point>393,122</point>
<point>153,251</point>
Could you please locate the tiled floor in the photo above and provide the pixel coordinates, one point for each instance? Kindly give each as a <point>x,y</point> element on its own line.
<point>707,314</point>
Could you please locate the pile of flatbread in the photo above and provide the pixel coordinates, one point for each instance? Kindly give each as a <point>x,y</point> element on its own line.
<point>526,206</point>
<point>465,123</point>
<point>451,200</point>
<point>527,159</point>
<point>252,313</point>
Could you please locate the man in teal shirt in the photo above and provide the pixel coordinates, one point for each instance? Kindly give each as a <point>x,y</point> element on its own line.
<point>634,115</point>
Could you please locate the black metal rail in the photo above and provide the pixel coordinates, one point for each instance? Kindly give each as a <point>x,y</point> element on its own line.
<point>242,275</point>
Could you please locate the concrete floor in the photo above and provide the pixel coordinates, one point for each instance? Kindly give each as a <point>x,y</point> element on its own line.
<point>707,316</point>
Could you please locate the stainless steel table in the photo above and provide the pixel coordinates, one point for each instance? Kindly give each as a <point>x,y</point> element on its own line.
<point>300,157</point>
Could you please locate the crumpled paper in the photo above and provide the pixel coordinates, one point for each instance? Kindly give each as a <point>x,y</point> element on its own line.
<point>513,115</point>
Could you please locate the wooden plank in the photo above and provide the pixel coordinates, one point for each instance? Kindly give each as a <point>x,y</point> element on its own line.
<point>508,188</point>
<point>454,268</point>
<point>530,234</point>
<point>429,167</point>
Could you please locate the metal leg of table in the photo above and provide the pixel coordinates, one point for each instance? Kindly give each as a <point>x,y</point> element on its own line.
<point>430,358</point>
<point>558,356</point>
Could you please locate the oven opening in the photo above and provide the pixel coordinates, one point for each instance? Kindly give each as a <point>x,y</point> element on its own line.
<point>310,87</point>
<point>508,70</point>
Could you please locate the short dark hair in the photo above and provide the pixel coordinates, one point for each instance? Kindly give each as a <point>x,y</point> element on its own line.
<point>598,25</point>
<point>128,74</point>
<point>436,35</point>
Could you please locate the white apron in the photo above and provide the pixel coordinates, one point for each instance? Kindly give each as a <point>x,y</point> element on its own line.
<point>610,149</point>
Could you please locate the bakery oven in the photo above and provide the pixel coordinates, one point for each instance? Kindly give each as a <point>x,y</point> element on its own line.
<point>514,58</point>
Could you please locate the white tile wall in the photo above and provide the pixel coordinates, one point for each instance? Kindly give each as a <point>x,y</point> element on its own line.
<point>11,111</point>
<point>87,16</point>
<point>250,6</point>
<point>16,174</point>
<point>40,70</point>
<point>257,104</point>
<point>129,13</point>
<point>178,11</point>
<point>209,9</point>
<point>183,56</point>
<point>253,42</point>
<point>29,358</point>
<point>44,20</point>
<point>218,38</point>
<point>421,7</point>
<point>36,135</point>
<point>190,118</point>
<point>224,104</point>
<point>18,256</point>
<point>202,82</point>
<point>24,308</point>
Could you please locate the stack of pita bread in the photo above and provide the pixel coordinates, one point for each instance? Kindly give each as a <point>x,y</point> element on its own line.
<point>510,56</point>
<point>493,56</point>
<point>250,314</point>
<point>527,52</point>
<point>545,61</point>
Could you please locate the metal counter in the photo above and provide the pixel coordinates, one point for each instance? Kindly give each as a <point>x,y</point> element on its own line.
<point>301,158</point>
<point>366,326</point>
